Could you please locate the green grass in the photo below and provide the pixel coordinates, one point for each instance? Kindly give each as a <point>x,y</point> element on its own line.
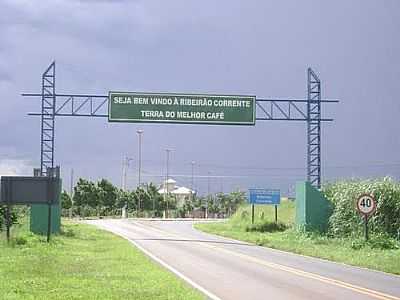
<point>83,263</point>
<point>349,251</point>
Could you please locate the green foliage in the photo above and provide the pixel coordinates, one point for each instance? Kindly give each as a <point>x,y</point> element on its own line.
<point>85,194</point>
<point>266,227</point>
<point>379,242</point>
<point>126,197</point>
<point>103,198</point>
<point>107,194</point>
<point>382,241</point>
<point>383,252</point>
<point>15,214</point>
<point>82,263</point>
<point>66,201</point>
<point>346,221</point>
<point>20,240</point>
<point>244,215</point>
<point>224,204</point>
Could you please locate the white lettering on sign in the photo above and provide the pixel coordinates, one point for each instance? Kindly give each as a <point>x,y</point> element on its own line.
<point>130,100</point>
<point>122,100</point>
<point>195,102</point>
<point>232,103</point>
<point>191,115</point>
<point>161,101</point>
<point>170,114</point>
<point>152,114</point>
<point>215,115</point>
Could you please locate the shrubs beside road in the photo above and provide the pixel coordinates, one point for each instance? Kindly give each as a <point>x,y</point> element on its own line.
<point>344,240</point>
<point>345,220</point>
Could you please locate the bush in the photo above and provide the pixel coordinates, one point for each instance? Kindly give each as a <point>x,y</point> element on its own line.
<point>15,213</point>
<point>346,221</point>
<point>267,227</point>
<point>68,232</point>
<point>20,240</point>
<point>382,241</point>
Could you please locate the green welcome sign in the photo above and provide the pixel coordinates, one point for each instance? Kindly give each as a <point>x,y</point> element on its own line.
<point>181,108</point>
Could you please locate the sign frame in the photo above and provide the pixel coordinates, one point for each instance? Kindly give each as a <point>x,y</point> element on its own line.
<point>271,192</point>
<point>50,190</point>
<point>373,202</point>
<point>207,122</point>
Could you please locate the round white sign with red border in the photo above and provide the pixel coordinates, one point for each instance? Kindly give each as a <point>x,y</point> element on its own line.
<point>366,204</point>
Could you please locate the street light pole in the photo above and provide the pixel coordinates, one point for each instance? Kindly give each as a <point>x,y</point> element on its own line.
<point>208,192</point>
<point>192,183</point>
<point>192,190</point>
<point>140,166</point>
<point>166,181</point>
<point>125,165</point>
<point>71,192</point>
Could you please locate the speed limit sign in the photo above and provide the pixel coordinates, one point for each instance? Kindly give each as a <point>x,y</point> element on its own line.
<point>366,204</point>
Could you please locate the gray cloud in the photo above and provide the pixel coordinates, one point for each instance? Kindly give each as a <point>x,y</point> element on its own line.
<point>255,47</point>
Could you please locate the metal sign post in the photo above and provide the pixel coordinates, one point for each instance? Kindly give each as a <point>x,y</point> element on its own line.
<point>8,222</point>
<point>366,205</point>
<point>252,214</point>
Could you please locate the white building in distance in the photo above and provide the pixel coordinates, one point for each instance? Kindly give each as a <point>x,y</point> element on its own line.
<point>181,193</point>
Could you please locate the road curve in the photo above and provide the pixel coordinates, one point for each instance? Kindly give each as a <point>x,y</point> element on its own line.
<point>227,269</point>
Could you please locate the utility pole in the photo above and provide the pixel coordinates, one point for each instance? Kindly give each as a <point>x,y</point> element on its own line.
<point>192,190</point>
<point>208,193</point>
<point>166,181</point>
<point>71,192</point>
<point>192,181</point>
<point>125,165</point>
<point>139,132</point>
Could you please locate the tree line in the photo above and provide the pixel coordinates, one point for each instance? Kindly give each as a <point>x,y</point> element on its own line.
<point>102,198</point>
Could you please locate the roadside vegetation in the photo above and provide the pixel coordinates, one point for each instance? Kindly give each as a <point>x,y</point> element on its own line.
<point>102,198</point>
<point>82,263</point>
<point>344,240</point>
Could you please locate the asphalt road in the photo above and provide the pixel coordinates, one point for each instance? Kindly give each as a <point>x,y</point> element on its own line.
<point>228,269</point>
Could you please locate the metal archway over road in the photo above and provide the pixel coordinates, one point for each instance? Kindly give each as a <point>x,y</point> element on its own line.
<point>182,108</point>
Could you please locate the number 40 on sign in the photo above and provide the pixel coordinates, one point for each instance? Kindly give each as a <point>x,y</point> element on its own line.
<point>366,205</point>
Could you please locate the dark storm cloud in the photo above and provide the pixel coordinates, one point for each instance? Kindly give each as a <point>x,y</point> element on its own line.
<point>254,47</point>
<point>5,77</point>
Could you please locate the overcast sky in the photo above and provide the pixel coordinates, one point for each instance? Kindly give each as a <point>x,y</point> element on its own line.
<point>259,48</point>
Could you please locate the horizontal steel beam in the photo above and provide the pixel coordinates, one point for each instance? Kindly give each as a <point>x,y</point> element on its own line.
<point>65,95</point>
<point>70,115</point>
<point>295,100</point>
<point>267,109</point>
<point>105,116</point>
<point>106,96</point>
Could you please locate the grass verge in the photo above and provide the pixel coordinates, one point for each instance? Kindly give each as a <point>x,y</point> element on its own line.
<point>352,251</point>
<point>83,263</point>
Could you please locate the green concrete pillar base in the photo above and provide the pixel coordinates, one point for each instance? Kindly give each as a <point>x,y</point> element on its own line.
<point>39,217</point>
<point>312,208</point>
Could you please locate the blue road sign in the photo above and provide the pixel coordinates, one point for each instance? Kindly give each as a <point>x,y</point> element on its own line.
<point>264,196</point>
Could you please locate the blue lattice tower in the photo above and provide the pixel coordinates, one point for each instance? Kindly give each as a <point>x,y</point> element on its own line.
<point>47,119</point>
<point>313,129</point>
